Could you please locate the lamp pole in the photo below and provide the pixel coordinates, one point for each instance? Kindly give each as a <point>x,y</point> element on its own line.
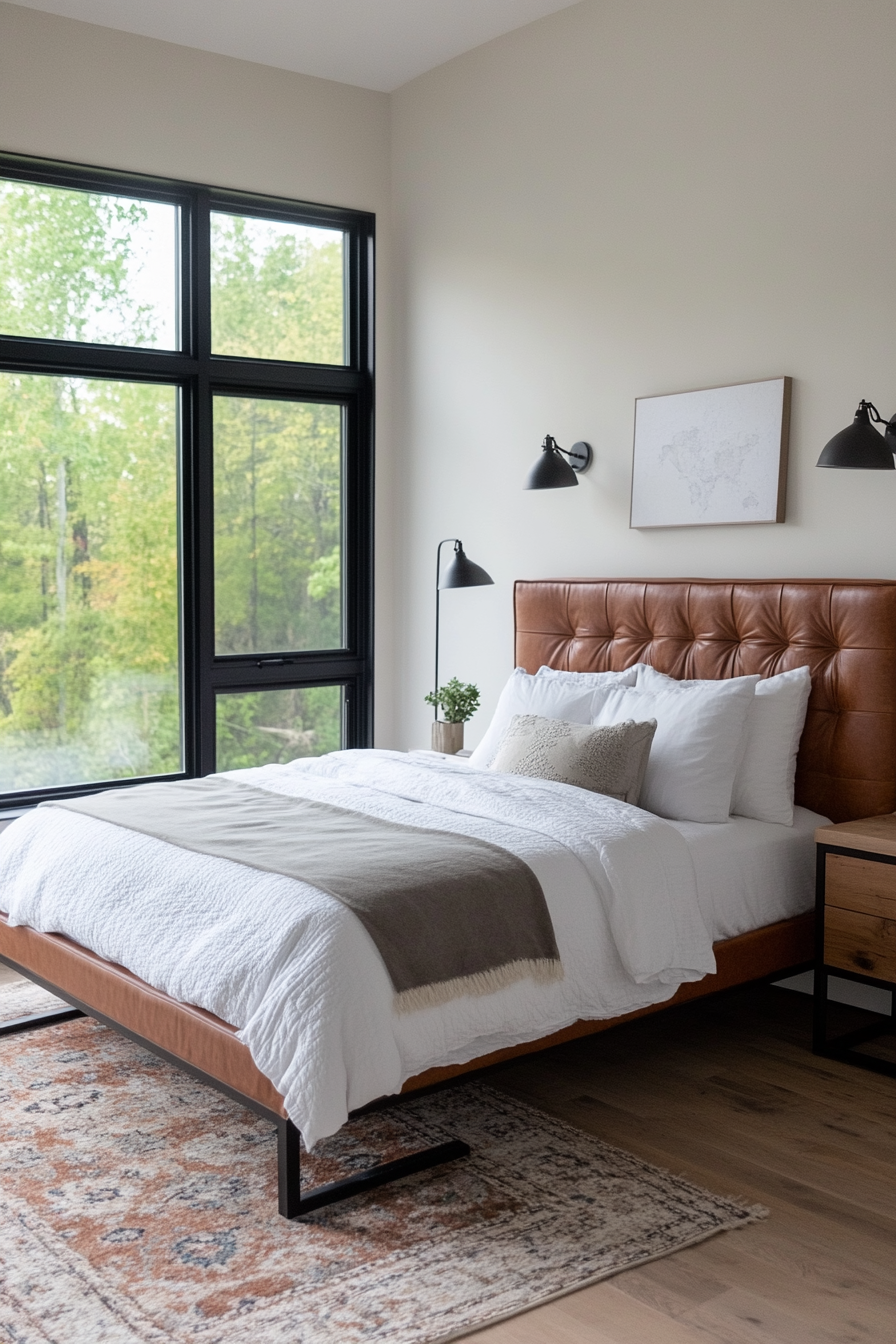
<point>457,545</point>
<point>461,573</point>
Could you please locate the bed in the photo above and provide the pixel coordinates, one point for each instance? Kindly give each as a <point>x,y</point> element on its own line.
<point>845,632</point>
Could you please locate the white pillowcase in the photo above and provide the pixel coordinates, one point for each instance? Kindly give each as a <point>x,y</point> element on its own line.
<point>593,679</point>
<point>763,787</point>
<point>698,744</point>
<point>560,696</point>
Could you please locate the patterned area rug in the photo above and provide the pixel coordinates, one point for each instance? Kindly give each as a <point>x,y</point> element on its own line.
<point>139,1207</point>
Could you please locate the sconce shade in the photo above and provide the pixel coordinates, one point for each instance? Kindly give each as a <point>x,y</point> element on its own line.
<point>551,471</point>
<point>860,447</point>
<point>463,573</point>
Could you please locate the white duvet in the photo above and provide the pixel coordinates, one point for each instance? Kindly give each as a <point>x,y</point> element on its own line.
<point>295,970</point>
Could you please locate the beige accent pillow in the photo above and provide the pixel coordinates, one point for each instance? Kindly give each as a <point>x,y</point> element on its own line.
<point>610,759</point>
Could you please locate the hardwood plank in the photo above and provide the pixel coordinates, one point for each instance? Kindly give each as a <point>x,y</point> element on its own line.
<point>597,1315</point>
<point>625,1320</point>
<point>740,1317</point>
<point>787,1141</point>
<point>674,1285</point>
<point>795,1282</point>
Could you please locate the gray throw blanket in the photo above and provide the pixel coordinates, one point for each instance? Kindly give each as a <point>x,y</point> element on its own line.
<point>449,915</point>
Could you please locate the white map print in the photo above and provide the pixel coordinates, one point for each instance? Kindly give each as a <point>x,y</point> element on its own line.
<point>708,457</point>
<point>704,469</point>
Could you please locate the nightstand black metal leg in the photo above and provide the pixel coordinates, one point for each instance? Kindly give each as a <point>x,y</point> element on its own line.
<point>820,1012</point>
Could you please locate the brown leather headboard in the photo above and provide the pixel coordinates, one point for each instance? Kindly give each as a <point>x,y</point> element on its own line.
<point>844,631</point>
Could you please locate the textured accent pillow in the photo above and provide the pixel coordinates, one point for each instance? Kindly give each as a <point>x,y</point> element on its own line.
<point>552,697</point>
<point>698,745</point>
<point>609,760</point>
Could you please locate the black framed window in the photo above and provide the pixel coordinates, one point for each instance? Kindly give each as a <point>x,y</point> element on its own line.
<point>186,479</point>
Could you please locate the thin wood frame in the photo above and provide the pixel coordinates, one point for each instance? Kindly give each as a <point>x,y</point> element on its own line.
<point>780,447</point>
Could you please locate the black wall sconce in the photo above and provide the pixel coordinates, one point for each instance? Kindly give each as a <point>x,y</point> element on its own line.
<point>552,472</point>
<point>860,446</point>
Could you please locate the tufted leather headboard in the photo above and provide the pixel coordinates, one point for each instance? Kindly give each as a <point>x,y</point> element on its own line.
<point>844,631</point>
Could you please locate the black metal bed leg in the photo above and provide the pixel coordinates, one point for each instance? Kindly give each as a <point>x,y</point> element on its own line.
<point>35,1020</point>
<point>289,1174</point>
<point>293,1203</point>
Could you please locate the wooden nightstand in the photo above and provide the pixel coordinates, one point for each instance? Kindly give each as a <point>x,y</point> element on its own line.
<point>855,925</point>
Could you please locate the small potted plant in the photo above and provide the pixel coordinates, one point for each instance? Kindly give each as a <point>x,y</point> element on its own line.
<point>458,703</point>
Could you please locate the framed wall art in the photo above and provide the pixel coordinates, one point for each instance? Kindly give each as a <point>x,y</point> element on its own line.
<point>714,456</point>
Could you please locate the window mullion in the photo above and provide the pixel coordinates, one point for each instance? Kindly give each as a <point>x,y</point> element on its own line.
<point>204,582</point>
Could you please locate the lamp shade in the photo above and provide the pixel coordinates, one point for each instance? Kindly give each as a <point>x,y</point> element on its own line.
<point>551,471</point>
<point>859,446</point>
<point>462,572</point>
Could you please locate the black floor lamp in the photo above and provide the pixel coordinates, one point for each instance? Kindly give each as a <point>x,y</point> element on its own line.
<point>461,572</point>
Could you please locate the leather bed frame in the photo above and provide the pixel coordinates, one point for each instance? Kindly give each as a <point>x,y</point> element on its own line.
<point>844,631</point>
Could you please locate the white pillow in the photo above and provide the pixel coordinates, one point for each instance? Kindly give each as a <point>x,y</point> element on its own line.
<point>698,743</point>
<point>552,697</point>
<point>594,679</point>
<point>763,786</point>
<point>648,679</point>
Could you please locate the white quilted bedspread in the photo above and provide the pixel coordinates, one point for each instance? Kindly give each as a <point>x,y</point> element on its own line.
<point>296,971</point>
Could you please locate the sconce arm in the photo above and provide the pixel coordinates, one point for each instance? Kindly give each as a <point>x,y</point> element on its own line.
<point>580,454</point>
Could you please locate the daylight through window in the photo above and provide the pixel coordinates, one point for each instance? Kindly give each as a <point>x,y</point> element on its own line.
<point>186,465</point>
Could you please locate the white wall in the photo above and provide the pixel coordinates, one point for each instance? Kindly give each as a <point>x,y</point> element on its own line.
<point>78,92</point>
<point>634,197</point>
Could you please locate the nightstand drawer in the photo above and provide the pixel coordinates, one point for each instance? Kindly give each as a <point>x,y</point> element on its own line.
<point>864,944</point>
<point>861,884</point>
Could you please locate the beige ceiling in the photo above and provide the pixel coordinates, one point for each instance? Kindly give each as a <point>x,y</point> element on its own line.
<point>376,44</point>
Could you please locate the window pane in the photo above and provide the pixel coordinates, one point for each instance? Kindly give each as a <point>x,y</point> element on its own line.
<point>80,266</point>
<point>278,525</point>
<point>264,727</point>
<point>277,290</point>
<point>89,683</point>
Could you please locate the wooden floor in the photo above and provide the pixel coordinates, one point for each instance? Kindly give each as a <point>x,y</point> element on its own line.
<point>728,1094</point>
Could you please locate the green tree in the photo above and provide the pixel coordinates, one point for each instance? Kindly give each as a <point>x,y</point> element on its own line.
<point>260,727</point>
<point>88,498</point>
<point>88,598</point>
<point>277,519</point>
<point>64,262</point>
<point>277,290</point>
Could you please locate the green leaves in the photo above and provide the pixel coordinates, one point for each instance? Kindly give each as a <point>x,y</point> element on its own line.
<point>277,290</point>
<point>65,265</point>
<point>88,580</point>
<point>89,600</point>
<point>278,523</point>
<point>458,700</point>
